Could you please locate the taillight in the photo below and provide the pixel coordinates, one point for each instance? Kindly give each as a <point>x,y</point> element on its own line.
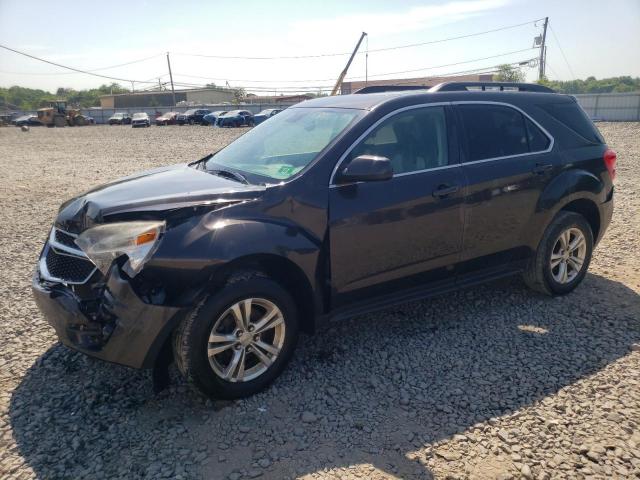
<point>610,159</point>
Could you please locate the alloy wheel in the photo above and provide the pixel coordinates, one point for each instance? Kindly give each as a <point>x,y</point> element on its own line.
<point>246,339</point>
<point>568,255</point>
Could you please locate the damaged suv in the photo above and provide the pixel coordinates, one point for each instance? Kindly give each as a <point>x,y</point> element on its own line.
<point>334,207</point>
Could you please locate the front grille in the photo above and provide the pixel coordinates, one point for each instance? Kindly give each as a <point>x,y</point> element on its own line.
<point>63,261</point>
<point>65,239</point>
<point>68,268</point>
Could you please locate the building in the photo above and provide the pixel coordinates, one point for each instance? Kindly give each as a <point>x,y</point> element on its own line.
<point>164,98</point>
<point>427,82</point>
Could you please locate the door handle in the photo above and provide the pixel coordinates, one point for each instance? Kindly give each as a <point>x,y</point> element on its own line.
<point>444,190</point>
<point>542,168</point>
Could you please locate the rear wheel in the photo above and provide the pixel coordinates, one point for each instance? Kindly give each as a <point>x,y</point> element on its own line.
<point>563,256</point>
<point>240,339</point>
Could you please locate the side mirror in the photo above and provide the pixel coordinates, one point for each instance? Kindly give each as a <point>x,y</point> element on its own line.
<point>367,168</point>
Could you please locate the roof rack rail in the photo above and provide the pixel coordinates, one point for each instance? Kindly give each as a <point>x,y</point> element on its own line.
<point>490,86</point>
<point>391,88</point>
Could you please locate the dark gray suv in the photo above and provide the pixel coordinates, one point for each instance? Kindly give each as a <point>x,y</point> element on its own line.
<point>334,207</point>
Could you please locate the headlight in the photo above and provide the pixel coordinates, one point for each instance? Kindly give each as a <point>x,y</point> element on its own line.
<point>137,240</point>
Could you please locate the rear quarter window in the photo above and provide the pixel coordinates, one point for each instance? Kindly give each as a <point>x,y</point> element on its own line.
<point>574,118</point>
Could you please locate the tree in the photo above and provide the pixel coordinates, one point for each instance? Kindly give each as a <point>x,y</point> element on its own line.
<point>239,94</point>
<point>210,85</point>
<point>508,73</point>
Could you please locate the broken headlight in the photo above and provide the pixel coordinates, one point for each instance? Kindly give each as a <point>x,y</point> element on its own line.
<point>137,240</point>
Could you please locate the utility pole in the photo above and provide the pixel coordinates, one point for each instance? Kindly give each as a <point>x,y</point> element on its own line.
<point>173,92</point>
<point>159,85</point>
<point>346,68</point>
<point>543,51</point>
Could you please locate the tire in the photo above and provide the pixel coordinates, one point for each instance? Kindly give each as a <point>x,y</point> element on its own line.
<point>191,121</point>
<point>541,276</point>
<point>191,340</point>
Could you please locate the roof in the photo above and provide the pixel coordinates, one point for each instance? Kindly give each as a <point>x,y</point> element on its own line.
<point>370,101</point>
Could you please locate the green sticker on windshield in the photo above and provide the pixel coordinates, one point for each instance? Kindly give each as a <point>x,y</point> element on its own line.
<point>286,170</point>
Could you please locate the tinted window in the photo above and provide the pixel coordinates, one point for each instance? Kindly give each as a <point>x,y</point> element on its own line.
<point>538,141</point>
<point>412,140</point>
<point>493,131</point>
<point>572,116</point>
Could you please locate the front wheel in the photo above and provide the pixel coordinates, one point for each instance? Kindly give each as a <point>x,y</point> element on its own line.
<point>239,340</point>
<point>563,256</point>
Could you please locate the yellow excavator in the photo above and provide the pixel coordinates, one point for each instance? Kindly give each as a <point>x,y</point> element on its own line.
<point>58,115</point>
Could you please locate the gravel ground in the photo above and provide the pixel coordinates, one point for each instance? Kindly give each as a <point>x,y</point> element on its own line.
<point>493,382</point>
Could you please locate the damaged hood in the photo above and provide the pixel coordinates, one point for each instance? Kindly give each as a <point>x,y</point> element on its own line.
<point>161,189</point>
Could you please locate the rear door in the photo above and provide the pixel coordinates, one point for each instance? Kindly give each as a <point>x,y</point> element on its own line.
<point>507,160</point>
<point>389,235</point>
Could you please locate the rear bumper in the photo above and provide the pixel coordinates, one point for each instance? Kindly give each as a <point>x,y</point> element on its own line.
<point>606,213</point>
<point>116,327</point>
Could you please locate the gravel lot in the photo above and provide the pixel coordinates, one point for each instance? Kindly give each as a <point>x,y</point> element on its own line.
<point>494,382</point>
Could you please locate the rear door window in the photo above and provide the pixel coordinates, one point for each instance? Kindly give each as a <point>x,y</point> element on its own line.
<point>493,131</point>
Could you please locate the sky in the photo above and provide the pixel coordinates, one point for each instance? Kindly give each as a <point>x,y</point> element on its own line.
<point>586,38</point>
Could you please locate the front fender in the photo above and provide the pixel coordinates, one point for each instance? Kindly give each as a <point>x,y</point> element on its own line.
<point>192,254</point>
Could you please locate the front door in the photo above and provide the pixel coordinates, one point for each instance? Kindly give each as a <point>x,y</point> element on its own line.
<point>388,235</point>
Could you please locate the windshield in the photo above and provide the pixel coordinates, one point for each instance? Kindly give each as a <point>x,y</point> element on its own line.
<point>139,115</point>
<point>118,115</point>
<point>287,143</point>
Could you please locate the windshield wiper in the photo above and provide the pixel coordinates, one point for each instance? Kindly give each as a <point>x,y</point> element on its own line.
<point>238,177</point>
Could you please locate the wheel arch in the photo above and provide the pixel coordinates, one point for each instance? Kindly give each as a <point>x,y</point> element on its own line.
<point>589,210</point>
<point>285,272</point>
<point>574,190</point>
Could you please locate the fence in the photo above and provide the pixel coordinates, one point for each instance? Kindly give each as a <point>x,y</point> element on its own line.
<point>611,107</point>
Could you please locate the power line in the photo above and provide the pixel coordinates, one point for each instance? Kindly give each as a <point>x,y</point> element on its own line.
<point>287,89</point>
<point>70,68</point>
<point>562,51</point>
<point>358,77</point>
<point>90,71</point>
<point>397,47</point>
<point>448,64</point>
<point>552,70</point>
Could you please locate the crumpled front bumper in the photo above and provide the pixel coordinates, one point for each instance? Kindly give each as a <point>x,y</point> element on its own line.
<point>116,327</point>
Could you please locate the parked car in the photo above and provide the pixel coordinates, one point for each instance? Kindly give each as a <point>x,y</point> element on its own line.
<point>236,118</point>
<point>192,116</point>
<point>335,207</point>
<point>264,114</point>
<point>212,118</point>
<point>28,120</point>
<point>169,118</point>
<point>140,119</point>
<point>119,118</point>
<point>89,120</point>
